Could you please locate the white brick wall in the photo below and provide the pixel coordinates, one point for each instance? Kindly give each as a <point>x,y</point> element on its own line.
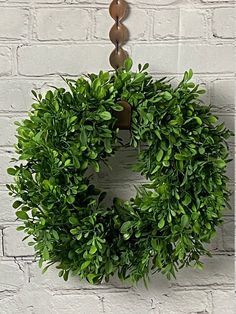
<point>62,24</point>
<point>40,39</point>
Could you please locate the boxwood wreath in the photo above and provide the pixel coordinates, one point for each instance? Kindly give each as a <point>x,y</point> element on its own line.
<point>166,225</point>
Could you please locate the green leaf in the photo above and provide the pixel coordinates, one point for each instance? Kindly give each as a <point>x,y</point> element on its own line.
<point>93,250</point>
<point>125,227</point>
<point>73,220</point>
<point>161,223</point>
<point>49,95</point>
<point>105,115</point>
<point>90,278</point>
<point>190,74</point>
<point>117,107</point>
<point>55,234</point>
<point>184,221</point>
<point>70,199</point>
<point>146,65</point>
<point>156,169</point>
<point>67,162</point>
<point>201,150</point>
<point>22,215</point>
<point>83,137</point>
<point>45,269</point>
<point>56,105</point>
<point>45,254</point>
<point>85,265</point>
<point>199,121</point>
<point>66,275</point>
<point>187,200</point>
<point>158,134</point>
<point>74,231</point>
<point>128,64</point>
<point>154,244</point>
<point>179,157</point>
<point>159,155</point>
<point>167,95</point>
<point>34,93</point>
<point>16,204</point>
<point>109,267</point>
<point>220,163</point>
<point>126,236</point>
<point>96,166</point>
<point>212,119</point>
<point>20,228</point>
<point>11,171</point>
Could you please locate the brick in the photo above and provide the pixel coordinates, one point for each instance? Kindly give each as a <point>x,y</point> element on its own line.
<point>223,302</point>
<point>51,281</point>
<point>49,1</point>
<point>13,23</point>
<point>134,304</point>
<point>10,304</point>
<point>156,2</point>
<point>7,130</point>
<point>224,23</point>
<point>183,302</point>
<point>18,1</point>
<point>62,1</point>
<point>178,58</point>
<point>162,58</point>
<point>229,120</point>
<point>13,244</point>
<point>84,303</point>
<point>5,157</point>
<point>217,271</point>
<point>206,58</point>
<point>57,24</point>
<point>223,95</point>
<point>37,300</point>
<point>16,93</point>
<point>228,229</point>
<point>230,169</point>
<point>137,31</point>
<point>12,277</point>
<point>179,23</point>
<point>43,60</point>
<point>218,1</point>
<point>5,61</point>
<point>1,243</point>
<point>230,211</point>
<point>41,300</point>
<point>7,212</point>
<point>216,244</point>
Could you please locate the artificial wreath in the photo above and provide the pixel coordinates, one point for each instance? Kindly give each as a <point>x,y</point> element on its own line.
<point>182,151</point>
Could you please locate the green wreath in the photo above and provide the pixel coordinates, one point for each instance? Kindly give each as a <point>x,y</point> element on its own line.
<point>167,223</point>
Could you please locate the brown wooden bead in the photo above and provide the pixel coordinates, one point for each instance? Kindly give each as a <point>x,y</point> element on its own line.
<point>118,57</point>
<point>118,9</point>
<point>118,34</point>
<point>124,116</point>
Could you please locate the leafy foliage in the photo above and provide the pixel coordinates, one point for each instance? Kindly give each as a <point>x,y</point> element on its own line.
<point>167,224</point>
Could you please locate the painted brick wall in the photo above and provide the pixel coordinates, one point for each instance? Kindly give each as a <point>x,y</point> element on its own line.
<point>40,39</point>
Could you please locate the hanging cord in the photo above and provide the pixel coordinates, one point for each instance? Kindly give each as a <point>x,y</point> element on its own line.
<point>118,33</point>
